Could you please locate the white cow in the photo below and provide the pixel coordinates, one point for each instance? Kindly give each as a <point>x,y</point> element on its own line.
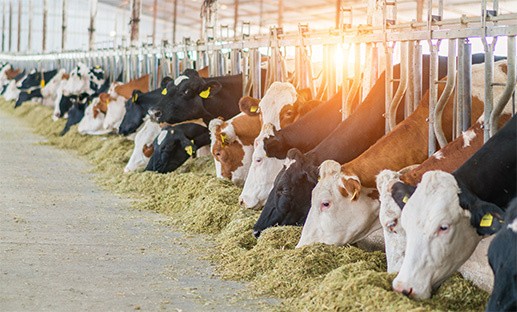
<point>91,123</point>
<point>143,145</point>
<point>49,91</point>
<point>263,169</point>
<point>12,92</point>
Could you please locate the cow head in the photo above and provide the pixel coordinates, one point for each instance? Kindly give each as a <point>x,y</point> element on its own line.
<point>115,111</point>
<point>440,233</point>
<point>144,148</point>
<point>342,211</point>
<point>502,249</point>
<point>183,99</point>
<point>75,115</point>
<point>393,196</point>
<point>91,122</point>
<point>96,78</point>
<point>171,149</point>
<point>27,96</point>
<point>50,88</point>
<point>289,201</point>
<point>78,82</point>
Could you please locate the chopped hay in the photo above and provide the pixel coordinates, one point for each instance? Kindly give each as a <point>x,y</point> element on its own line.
<point>312,278</point>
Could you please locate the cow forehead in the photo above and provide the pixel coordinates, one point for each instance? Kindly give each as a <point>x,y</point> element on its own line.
<point>434,200</point>
<point>179,79</point>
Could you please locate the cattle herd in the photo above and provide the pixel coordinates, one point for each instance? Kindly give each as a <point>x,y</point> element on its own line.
<point>296,158</point>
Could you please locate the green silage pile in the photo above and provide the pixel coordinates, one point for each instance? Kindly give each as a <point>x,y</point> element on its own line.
<point>313,278</point>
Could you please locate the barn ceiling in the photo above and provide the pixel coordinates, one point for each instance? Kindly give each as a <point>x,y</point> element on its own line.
<point>320,14</point>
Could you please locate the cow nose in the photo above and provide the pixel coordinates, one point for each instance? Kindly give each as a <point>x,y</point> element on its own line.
<point>398,287</point>
<point>241,201</point>
<point>256,234</point>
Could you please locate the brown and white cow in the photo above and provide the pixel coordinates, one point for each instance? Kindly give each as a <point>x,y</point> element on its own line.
<point>232,146</point>
<point>49,91</point>
<point>345,203</point>
<point>447,159</point>
<point>126,90</point>
<point>280,106</point>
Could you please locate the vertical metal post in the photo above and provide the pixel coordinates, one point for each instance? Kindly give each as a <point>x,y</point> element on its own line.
<point>433,96</point>
<point>388,51</point>
<point>3,26</point>
<point>10,25</point>
<point>399,94</point>
<point>136,8</point>
<point>29,26</point>
<point>338,13</point>
<point>261,14</point>
<point>91,29</point>
<point>256,73</point>
<point>410,92</point>
<point>345,86</point>
<point>63,25</point>
<point>419,10</point>
<point>44,29</point>
<point>280,13</point>
<point>489,70</point>
<point>155,13</point>
<point>18,45</point>
<point>417,78</point>
<point>235,17</point>
<point>174,22</point>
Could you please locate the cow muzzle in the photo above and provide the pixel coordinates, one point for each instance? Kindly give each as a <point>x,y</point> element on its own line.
<point>155,114</point>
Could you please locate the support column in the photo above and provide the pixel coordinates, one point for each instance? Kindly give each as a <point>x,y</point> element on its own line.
<point>91,29</point>
<point>174,21</point>
<point>235,17</point>
<point>155,13</point>
<point>18,45</point>
<point>10,25</point>
<point>338,13</point>
<point>280,13</point>
<point>44,28</point>
<point>29,26</point>
<point>136,8</point>
<point>63,25</point>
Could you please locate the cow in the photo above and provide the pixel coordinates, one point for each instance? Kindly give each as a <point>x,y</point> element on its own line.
<point>449,213</point>
<point>84,80</point>
<point>190,97</point>
<point>447,159</point>
<point>280,106</point>
<point>49,91</point>
<point>502,256</point>
<point>349,190</point>
<point>176,144</point>
<point>232,145</point>
<point>92,125</point>
<point>313,128</point>
<point>137,107</point>
<point>29,95</point>
<point>30,87</point>
<point>126,89</point>
<point>113,108</point>
<point>143,149</point>
<point>75,114</point>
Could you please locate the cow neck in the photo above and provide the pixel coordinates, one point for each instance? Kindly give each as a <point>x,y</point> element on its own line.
<point>198,121</point>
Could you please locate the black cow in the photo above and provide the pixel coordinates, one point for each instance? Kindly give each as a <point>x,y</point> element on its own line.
<point>75,114</point>
<point>28,95</point>
<point>34,79</point>
<point>66,102</point>
<point>502,256</point>
<point>175,144</point>
<point>191,97</point>
<point>137,107</point>
<point>352,137</point>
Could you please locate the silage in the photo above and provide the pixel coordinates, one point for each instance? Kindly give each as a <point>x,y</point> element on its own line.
<point>312,278</point>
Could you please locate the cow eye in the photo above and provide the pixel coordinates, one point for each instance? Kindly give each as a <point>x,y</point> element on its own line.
<point>325,205</point>
<point>391,225</point>
<point>258,160</point>
<point>443,228</point>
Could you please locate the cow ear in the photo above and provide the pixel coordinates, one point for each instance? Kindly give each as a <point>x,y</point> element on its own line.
<point>249,105</point>
<point>210,89</point>
<point>401,192</point>
<point>148,150</point>
<point>104,98</point>
<point>312,174</point>
<point>486,217</point>
<point>165,81</point>
<point>352,186</point>
<point>135,95</point>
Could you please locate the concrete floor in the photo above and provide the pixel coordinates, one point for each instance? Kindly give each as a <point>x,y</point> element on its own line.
<point>66,245</point>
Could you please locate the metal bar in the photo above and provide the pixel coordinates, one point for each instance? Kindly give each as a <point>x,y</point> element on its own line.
<point>44,28</point>
<point>467,93</point>
<point>155,13</point>
<point>417,82</point>
<point>174,20</point>
<point>388,50</point>
<point>256,73</point>
<point>91,29</point>
<point>64,24</point>
<point>446,94</point>
<point>10,25</point>
<point>3,26</point>
<point>29,27</point>
<point>235,17</point>
<point>410,91</point>
<point>509,88</point>
<point>397,98</point>
<point>338,14</point>
<point>18,45</point>
<point>136,8</point>
<point>433,95</point>
<point>345,86</point>
<point>280,13</point>
<point>460,89</point>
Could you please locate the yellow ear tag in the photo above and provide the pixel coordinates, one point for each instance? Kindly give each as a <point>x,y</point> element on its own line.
<point>223,138</point>
<point>29,92</point>
<point>405,199</point>
<point>253,109</point>
<point>42,83</point>
<point>205,94</point>
<point>486,221</point>
<point>97,66</point>
<point>164,91</point>
<point>135,97</point>
<point>108,103</point>
<point>188,149</point>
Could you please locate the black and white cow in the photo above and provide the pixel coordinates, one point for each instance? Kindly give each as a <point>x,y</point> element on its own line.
<point>137,107</point>
<point>502,256</point>
<point>175,144</point>
<point>448,214</point>
<point>191,97</point>
<point>30,87</point>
